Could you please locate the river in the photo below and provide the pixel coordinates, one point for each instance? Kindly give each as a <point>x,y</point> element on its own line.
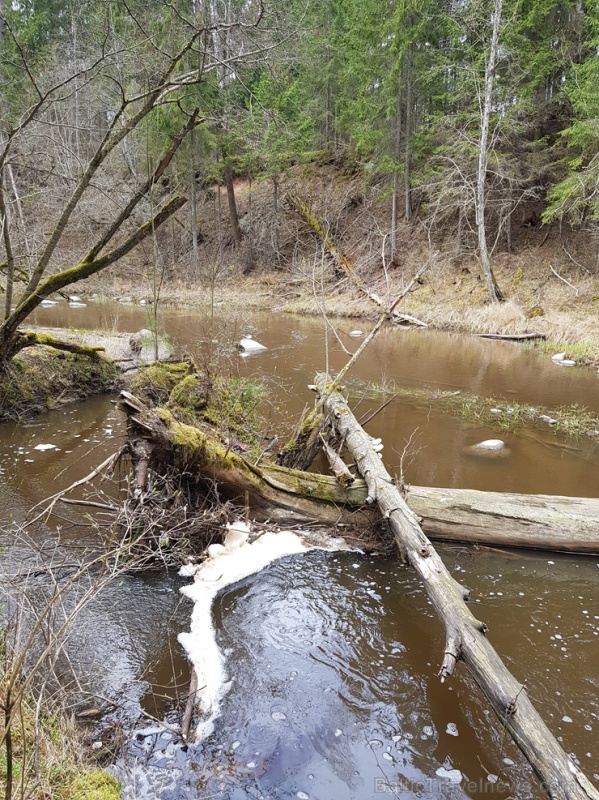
<point>333,657</point>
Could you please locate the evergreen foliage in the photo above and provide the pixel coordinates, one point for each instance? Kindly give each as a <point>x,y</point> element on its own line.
<point>396,89</point>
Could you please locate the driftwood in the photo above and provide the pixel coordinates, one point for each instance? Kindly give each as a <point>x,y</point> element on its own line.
<point>157,440</point>
<point>540,522</point>
<point>466,638</point>
<point>514,337</point>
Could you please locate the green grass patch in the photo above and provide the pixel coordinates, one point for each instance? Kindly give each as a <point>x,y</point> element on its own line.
<point>585,353</point>
<point>572,420</point>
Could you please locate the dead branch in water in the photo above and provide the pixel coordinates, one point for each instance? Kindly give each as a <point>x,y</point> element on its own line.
<point>466,638</point>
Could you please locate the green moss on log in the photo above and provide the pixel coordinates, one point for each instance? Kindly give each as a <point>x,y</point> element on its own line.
<point>35,338</point>
<point>154,383</point>
<point>190,397</point>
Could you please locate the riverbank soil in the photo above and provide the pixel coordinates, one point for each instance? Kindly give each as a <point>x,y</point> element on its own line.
<point>41,378</point>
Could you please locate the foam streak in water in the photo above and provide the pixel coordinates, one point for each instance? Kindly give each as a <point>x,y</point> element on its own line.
<point>227,566</point>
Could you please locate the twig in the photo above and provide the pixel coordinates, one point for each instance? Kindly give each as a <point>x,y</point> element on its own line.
<point>107,464</point>
<point>343,372</point>
<point>564,280</point>
<point>364,422</point>
<point>573,260</point>
<point>86,503</point>
<point>191,697</point>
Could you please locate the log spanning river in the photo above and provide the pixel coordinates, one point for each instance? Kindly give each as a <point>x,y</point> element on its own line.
<point>331,658</point>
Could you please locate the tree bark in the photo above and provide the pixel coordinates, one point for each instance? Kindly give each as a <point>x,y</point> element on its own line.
<point>9,339</point>
<point>538,522</point>
<point>465,635</point>
<point>10,260</point>
<point>483,158</point>
<point>234,216</point>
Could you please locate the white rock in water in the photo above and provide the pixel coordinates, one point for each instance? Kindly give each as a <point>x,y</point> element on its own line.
<point>356,333</point>
<point>237,534</point>
<point>558,357</point>
<point>490,448</point>
<point>249,345</point>
<point>490,444</point>
<point>47,303</point>
<point>44,447</point>
<point>548,420</point>
<point>73,304</point>
<point>74,299</point>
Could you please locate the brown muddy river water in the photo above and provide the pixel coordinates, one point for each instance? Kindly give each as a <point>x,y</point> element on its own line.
<point>332,657</point>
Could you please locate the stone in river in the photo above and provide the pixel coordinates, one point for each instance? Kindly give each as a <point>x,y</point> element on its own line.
<point>249,345</point>
<point>489,448</point>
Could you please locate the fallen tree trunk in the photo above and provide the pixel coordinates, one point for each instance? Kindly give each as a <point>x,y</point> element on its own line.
<point>289,496</point>
<point>540,522</point>
<point>514,337</point>
<point>465,635</point>
<point>342,262</point>
<point>157,440</point>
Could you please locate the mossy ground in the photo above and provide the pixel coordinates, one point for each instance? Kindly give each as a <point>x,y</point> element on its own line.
<point>41,378</point>
<point>50,759</point>
<point>228,404</point>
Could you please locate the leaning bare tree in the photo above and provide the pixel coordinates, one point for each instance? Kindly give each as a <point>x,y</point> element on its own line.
<point>130,78</point>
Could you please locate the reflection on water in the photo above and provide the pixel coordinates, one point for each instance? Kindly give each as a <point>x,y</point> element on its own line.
<point>541,461</point>
<point>333,659</point>
<point>334,692</point>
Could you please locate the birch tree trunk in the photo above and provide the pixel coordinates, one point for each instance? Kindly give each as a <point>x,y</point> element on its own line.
<point>483,158</point>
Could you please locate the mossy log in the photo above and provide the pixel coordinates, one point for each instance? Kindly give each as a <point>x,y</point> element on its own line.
<point>566,524</point>
<point>273,492</point>
<point>342,262</point>
<point>466,636</point>
<point>33,338</point>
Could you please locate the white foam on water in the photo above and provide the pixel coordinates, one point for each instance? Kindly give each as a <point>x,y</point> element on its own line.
<point>222,568</point>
